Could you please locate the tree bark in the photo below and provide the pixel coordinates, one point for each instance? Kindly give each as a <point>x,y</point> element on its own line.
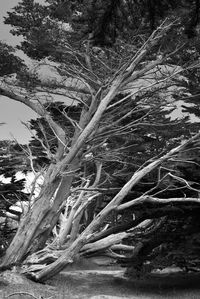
<point>30,226</point>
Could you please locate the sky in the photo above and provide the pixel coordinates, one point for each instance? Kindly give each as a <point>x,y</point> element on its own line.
<point>6,5</point>
<point>11,112</point>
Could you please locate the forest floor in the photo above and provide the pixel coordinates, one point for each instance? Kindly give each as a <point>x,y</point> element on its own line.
<point>104,283</point>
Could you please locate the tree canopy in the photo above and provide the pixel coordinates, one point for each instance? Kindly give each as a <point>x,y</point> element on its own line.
<point>101,23</point>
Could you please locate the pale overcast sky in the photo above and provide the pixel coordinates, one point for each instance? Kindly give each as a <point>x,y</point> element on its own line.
<point>11,112</point>
<point>7,5</point>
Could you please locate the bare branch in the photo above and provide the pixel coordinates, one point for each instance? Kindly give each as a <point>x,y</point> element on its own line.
<point>40,110</point>
<point>160,201</point>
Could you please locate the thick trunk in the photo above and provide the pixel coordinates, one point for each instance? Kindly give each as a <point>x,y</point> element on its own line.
<point>30,226</point>
<point>38,223</point>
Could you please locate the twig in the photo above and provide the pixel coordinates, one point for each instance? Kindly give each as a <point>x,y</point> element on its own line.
<point>22,293</point>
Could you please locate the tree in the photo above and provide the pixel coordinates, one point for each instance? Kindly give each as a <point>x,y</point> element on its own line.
<point>77,145</point>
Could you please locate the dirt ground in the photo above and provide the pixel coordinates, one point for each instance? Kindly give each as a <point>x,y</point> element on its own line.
<point>104,283</point>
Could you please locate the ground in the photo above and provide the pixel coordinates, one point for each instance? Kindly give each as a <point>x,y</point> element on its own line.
<point>103,283</point>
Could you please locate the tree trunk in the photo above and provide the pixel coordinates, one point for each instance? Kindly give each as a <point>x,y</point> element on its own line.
<point>30,226</point>
<point>37,224</point>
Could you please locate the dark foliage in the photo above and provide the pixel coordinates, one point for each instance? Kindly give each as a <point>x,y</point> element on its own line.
<point>101,23</point>
<point>9,62</point>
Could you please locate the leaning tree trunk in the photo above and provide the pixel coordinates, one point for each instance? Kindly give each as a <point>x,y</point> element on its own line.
<point>36,220</point>
<point>31,225</point>
<point>36,226</point>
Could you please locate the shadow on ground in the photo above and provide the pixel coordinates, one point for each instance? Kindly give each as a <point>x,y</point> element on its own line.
<point>105,283</point>
<point>86,284</point>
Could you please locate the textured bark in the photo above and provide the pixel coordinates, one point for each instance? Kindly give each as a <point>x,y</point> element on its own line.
<point>30,226</point>
<point>104,243</point>
<point>37,225</point>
